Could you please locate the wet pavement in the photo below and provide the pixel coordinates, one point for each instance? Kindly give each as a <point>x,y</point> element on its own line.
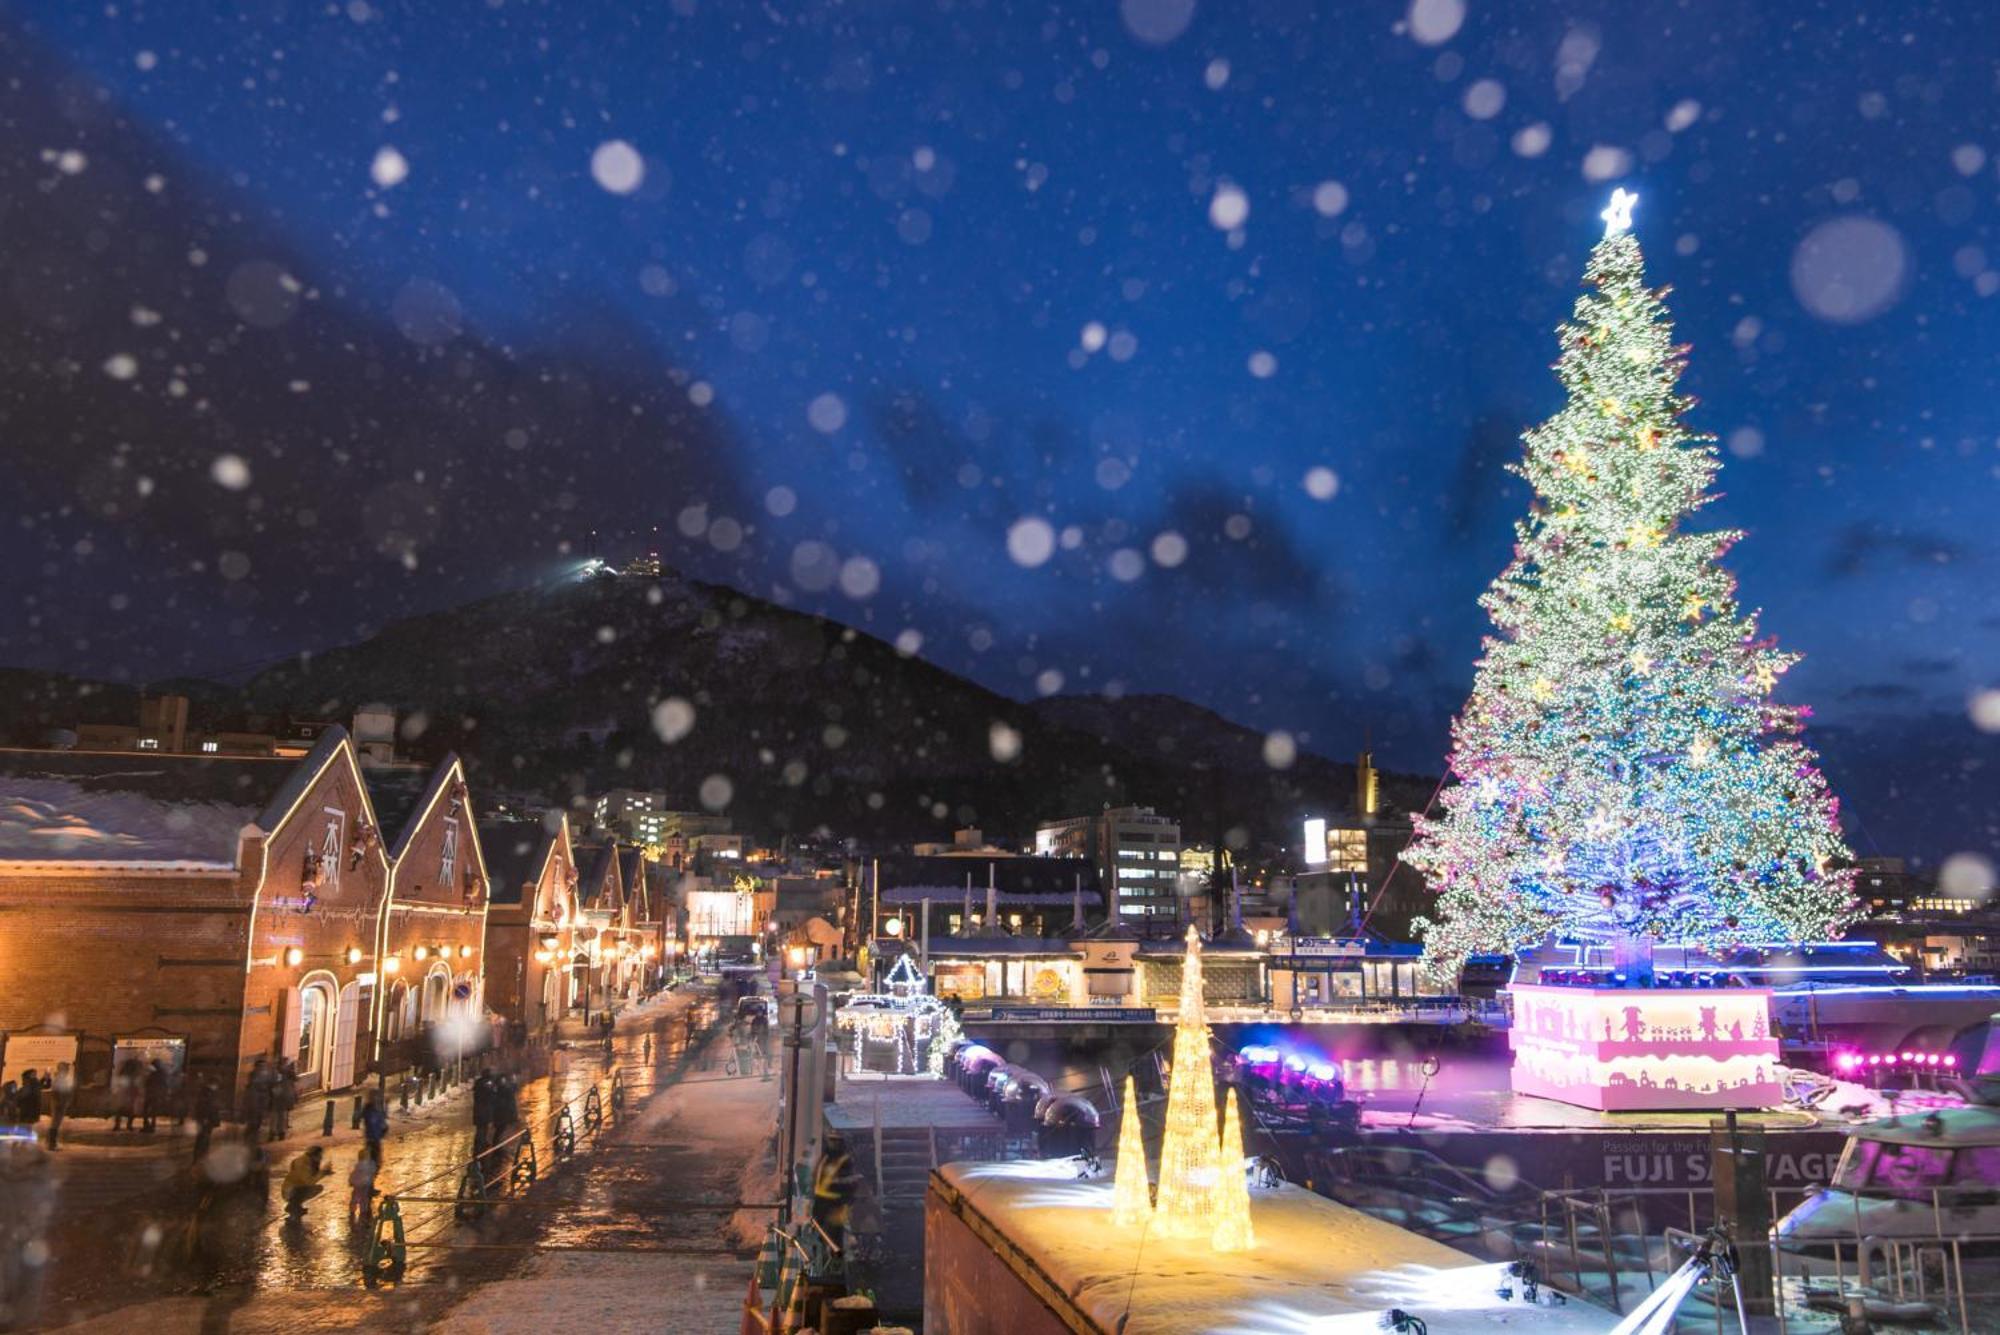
<point>637,1187</point>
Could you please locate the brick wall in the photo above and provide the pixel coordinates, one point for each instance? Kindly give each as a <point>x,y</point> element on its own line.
<point>114,954</point>
<point>342,917</point>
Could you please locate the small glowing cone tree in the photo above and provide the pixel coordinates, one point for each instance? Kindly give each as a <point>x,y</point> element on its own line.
<point>1189,1150</point>
<point>1131,1197</point>
<point>1232,1191</point>
<point>1621,767</point>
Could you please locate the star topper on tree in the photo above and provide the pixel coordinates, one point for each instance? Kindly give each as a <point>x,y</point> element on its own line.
<point>1622,768</point>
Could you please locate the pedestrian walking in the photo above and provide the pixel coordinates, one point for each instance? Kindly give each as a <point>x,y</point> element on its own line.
<point>506,1105</point>
<point>375,1124</point>
<point>284,1097</point>
<point>128,1089</point>
<point>760,1039</point>
<point>206,1112</point>
<point>482,1111</point>
<point>257,1093</point>
<point>154,1094</point>
<point>302,1180</point>
<point>361,1189</point>
<point>62,1089</point>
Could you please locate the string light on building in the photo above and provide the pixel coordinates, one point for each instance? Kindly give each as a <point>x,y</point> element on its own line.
<point>1189,1150</point>
<point>917,1028</point>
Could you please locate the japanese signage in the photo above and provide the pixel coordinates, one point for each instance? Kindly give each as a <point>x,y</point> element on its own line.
<point>36,1052</point>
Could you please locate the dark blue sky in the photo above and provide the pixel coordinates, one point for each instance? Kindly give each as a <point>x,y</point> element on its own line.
<point>989,232</point>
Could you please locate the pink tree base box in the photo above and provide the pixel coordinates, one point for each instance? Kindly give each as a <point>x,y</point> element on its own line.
<point>1634,1049</point>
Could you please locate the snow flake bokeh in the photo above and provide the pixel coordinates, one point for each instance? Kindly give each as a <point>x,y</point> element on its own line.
<point>1180,350</point>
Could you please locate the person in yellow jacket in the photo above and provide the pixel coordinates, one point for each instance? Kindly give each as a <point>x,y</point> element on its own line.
<point>834,1181</point>
<point>302,1180</point>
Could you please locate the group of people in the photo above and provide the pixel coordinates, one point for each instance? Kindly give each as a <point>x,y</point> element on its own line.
<point>496,1109</point>
<point>23,1101</point>
<point>269,1096</point>
<point>306,1178</point>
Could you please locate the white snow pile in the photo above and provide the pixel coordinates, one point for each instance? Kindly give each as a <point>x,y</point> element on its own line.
<point>53,820</point>
<point>1316,1265</point>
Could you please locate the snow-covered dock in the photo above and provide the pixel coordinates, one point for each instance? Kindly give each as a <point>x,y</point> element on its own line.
<point>1027,1248</point>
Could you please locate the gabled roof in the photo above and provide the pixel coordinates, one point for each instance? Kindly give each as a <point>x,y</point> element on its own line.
<point>516,852</point>
<point>597,887</point>
<point>401,794</point>
<point>144,809</point>
<point>331,741</point>
<point>632,874</point>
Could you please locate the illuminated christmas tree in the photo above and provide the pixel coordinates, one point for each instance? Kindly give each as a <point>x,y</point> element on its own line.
<point>1232,1192</point>
<point>1188,1151</point>
<point>1622,768</point>
<point>1131,1197</point>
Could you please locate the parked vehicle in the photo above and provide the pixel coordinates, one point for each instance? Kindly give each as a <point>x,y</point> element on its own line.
<point>1912,1177</point>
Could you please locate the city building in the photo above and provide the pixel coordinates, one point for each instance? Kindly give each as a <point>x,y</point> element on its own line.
<point>211,910</point>
<point>601,935</point>
<point>1033,897</point>
<point>431,927</point>
<point>1307,972</point>
<point>636,814</point>
<point>530,979</point>
<point>1353,880</point>
<point>162,725</point>
<point>1137,855</point>
<point>967,843</point>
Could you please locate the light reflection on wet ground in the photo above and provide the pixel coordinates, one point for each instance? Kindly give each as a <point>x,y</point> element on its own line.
<point>145,1248</point>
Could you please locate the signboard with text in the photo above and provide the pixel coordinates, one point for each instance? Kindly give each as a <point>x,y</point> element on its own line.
<point>35,1052</point>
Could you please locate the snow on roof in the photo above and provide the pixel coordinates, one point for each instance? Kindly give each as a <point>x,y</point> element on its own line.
<point>140,809</point>
<point>45,820</point>
<point>1314,1264</point>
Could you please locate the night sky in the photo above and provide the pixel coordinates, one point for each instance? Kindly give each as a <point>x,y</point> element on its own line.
<point>327,314</point>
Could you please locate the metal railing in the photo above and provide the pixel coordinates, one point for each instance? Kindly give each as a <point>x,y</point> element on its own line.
<point>1922,1268</point>
<point>503,1172</point>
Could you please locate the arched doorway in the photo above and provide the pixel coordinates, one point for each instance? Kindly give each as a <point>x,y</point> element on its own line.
<point>318,1014</point>
<point>551,995</point>
<point>437,995</point>
<point>397,1018</point>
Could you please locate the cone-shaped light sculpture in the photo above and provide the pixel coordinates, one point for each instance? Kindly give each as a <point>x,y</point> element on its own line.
<point>1189,1150</point>
<point>1131,1196</point>
<point>1232,1193</point>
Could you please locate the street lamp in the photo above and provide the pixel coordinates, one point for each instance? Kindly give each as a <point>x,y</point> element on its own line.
<point>894,927</point>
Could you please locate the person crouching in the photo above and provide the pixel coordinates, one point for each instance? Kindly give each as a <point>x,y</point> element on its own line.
<point>302,1180</point>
